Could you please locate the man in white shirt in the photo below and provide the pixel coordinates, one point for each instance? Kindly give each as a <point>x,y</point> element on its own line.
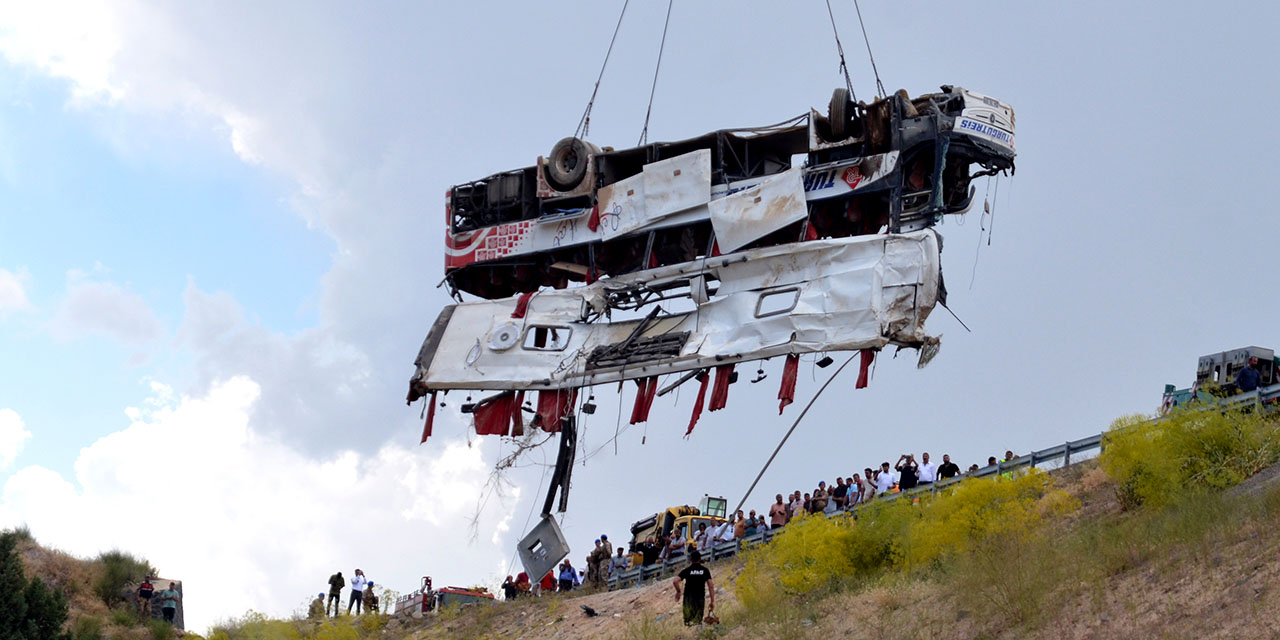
<point>724,532</point>
<point>884,479</point>
<point>928,471</point>
<point>358,582</point>
<point>702,539</point>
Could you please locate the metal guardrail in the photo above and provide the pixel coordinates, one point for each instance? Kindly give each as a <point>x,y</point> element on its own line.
<point>723,550</point>
<point>1268,398</point>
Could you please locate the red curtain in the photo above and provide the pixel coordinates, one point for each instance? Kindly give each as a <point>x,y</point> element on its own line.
<point>720,392</point>
<point>646,390</point>
<point>431,417</point>
<point>864,368</point>
<point>697,403</point>
<point>554,404</point>
<point>787,393</point>
<point>493,416</point>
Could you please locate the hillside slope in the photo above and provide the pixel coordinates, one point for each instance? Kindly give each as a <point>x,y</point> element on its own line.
<point>1210,568</point>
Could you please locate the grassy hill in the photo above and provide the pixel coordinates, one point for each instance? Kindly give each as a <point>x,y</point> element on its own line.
<point>1172,532</point>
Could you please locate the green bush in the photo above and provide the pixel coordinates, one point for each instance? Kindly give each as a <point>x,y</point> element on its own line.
<point>87,629</point>
<point>1158,462</point>
<point>123,617</point>
<point>28,609</point>
<point>117,570</point>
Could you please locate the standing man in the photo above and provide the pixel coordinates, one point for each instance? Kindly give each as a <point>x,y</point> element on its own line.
<point>619,562</point>
<point>928,472</point>
<point>948,469</point>
<point>837,496</point>
<point>145,591</point>
<point>169,602</point>
<point>884,479</point>
<point>568,576</point>
<point>777,513</point>
<point>358,582</point>
<point>370,599</point>
<point>336,583</point>
<point>907,470</point>
<point>694,595</point>
<point>1249,377</point>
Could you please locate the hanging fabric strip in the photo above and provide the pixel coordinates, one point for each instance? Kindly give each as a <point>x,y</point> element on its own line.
<point>554,405</point>
<point>720,392</point>
<point>431,417</point>
<point>650,392</point>
<point>637,409</point>
<point>864,368</point>
<point>493,416</point>
<point>593,222</point>
<point>787,393</point>
<point>697,403</point>
<point>522,305</point>
<point>517,419</point>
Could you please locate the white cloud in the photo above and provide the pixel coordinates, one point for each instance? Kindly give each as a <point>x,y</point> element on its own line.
<point>72,40</point>
<point>247,521</point>
<point>13,291</point>
<point>104,308</point>
<point>13,435</point>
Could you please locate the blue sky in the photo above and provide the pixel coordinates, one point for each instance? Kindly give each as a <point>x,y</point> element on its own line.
<point>149,212</point>
<point>228,224</point>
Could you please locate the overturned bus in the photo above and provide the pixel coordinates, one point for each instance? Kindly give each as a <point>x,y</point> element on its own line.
<point>804,237</point>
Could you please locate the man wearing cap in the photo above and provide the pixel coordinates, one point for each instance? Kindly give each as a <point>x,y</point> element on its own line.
<point>316,610</point>
<point>602,560</point>
<point>370,599</point>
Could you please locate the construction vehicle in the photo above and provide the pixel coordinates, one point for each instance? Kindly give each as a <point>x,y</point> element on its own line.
<point>682,521</point>
<point>426,599</point>
<point>1216,376</point>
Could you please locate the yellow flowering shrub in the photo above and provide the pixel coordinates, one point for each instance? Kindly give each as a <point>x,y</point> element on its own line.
<point>1189,450</point>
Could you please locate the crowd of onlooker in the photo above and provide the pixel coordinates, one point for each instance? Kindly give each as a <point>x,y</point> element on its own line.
<point>844,493</point>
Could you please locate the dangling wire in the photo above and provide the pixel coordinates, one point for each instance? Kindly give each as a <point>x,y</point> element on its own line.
<point>984,222</point>
<point>840,49</point>
<point>644,133</point>
<point>879,85</point>
<point>585,123</point>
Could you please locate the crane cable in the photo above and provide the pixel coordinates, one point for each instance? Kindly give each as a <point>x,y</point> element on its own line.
<point>585,123</point>
<point>788,435</point>
<point>848,83</point>
<point>879,85</point>
<point>644,133</point>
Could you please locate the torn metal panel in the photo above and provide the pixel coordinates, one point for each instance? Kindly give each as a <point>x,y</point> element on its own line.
<point>677,183</point>
<point>825,295</point>
<point>751,214</point>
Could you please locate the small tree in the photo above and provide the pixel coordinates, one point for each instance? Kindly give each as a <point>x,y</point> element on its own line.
<point>28,609</point>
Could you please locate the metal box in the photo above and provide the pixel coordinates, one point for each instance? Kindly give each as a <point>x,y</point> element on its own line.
<point>542,548</point>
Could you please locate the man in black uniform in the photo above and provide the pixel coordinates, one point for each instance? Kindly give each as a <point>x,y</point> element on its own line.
<point>699,584</point>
